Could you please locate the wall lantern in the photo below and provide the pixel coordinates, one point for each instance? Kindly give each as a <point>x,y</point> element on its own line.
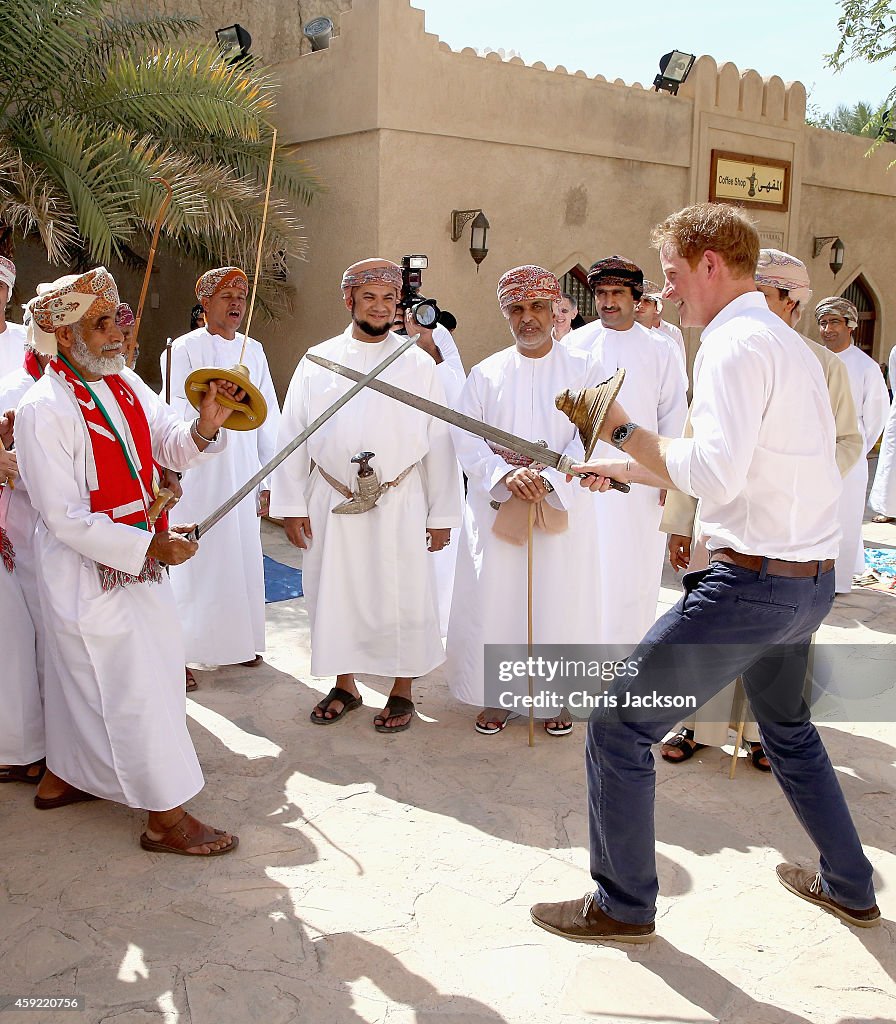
<point>674,69</point>
<point>838,252</point>
<point>478,232</point>
<point>318,33</point>
<point>234,42</point>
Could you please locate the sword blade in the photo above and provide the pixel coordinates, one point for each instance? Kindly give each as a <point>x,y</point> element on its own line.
<point>250,485</point>
<point>543,456</point>
<point>457,419</point>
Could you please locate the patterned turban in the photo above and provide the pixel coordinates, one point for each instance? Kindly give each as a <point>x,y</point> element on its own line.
<point>7,272</point>
<point>616,270</point>
<point>66,302</point>
<point>839,307</point>
<point>778,269</point>
<point>523,284</point>
<point>214,280</point>
<point>371,271</point>
<point>124,316</point>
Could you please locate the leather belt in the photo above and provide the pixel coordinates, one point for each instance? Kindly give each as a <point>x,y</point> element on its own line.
<point>774,566</point>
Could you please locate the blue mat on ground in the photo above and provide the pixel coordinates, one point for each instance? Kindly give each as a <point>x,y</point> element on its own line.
<point>281,582</point>
<point>882,560</point>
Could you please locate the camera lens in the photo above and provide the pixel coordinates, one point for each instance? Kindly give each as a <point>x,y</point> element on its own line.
<point>426,313</point>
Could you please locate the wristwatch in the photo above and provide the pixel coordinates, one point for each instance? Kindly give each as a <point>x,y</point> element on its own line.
<point>621,434</point>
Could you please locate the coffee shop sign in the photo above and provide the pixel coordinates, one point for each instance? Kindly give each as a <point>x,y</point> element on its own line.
<point>739,178</point>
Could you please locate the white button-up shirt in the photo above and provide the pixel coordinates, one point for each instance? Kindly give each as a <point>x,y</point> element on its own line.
<point>762,455</point>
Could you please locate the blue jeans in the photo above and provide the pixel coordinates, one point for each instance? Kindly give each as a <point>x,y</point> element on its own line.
<point>730,622</point>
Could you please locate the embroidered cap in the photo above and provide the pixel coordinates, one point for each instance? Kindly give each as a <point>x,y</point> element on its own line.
<point>840,307</point>
<point>522,284</point>
<point>221,277</point>
<point>7,272</point>
<point>371,271</point>
<point>67,301</point>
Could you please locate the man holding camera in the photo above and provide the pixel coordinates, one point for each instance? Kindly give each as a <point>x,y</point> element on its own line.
<point>368,579</point>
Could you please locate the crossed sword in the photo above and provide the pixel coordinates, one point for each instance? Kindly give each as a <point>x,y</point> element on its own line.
<point>519,445</point>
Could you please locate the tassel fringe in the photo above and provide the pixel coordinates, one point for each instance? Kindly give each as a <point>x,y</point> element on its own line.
<point>152,572</point>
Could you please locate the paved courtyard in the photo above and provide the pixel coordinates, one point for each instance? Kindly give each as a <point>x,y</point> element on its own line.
<point>389,878</point>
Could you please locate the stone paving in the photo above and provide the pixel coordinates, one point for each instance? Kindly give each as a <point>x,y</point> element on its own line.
<point>389,879</point>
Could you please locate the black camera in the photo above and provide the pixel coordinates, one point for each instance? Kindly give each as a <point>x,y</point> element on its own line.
<point>424,311</point>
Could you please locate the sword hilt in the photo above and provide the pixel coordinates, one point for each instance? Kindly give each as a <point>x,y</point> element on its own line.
<point>565,466</point>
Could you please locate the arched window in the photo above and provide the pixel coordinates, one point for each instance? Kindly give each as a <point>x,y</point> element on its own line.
<point>575,283</point>
<point>859,294</point>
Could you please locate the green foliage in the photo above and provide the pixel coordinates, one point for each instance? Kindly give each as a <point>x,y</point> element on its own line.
<point>862,119</point>
<point>94,107</point>
<point>867,33</point>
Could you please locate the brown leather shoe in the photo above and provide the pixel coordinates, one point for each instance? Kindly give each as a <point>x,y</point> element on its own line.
<point>583,921</point>
<point>807,885</point>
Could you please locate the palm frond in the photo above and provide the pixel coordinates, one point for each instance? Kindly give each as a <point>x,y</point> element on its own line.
<point>93,171</point>
<point>193,87</point>
<point>31,204</point>
<point>120,34</point>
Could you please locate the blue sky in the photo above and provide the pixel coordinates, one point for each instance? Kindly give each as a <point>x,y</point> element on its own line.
<point>787,38</point>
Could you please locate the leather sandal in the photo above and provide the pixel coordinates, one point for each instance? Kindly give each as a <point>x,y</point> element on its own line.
<point>395,708</point>
<point>188,832</point>
<point>21,772</point>
<point>683,740</point>
<point>757,754</point>
<point>72,795</point>
<point>191,681</point>
<point>348,700</point>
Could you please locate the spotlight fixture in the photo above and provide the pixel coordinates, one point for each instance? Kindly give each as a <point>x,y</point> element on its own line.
<point>234,42</point>
<point>674,69</point>
<point>838,251</point>
<point>478,232</point>
<point>318,33</point>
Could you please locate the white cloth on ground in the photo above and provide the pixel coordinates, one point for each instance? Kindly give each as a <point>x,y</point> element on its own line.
<point>220,592</point>
<point>632,549</point>
<point>114,697</point>
<point>368,578</point>
<point>516,393</point>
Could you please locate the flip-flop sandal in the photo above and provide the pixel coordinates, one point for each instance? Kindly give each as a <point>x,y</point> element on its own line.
<point>883,519</point>
<point>191,681</point>
<point>349,703</point>
<point>557,729</point>
<point>395,708</point>
<point>188,832</point>
<point>490,729</point>
<point>680,742</point>
<point>756,755</point>
<point>19,772</point>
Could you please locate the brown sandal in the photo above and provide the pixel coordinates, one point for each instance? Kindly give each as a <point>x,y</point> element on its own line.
<point>191,681</point>
<point>187,833</point>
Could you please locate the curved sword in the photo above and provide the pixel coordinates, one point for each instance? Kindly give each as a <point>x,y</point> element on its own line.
<point>543,456</point>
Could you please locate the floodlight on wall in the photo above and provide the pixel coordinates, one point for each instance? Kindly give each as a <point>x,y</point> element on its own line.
<point>478,232</point>
<point>234,42</point>
<point>674,69</point>
<point>318,33</point>
<point>838,251</point>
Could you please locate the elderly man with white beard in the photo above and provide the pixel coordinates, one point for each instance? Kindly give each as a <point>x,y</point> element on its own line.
<point>90,436</point>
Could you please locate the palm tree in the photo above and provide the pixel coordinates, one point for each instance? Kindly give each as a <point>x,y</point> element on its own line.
<point>861,119</point>
<point>94,106</point>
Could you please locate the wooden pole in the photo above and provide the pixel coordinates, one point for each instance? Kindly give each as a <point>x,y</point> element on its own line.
<point>264,221</point>
<point>163,209</point>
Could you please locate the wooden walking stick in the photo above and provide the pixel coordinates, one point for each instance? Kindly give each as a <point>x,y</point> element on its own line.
<point>530,633</point>
<point>163,209</point>
<point>264,221</point>
<point>740,703</point>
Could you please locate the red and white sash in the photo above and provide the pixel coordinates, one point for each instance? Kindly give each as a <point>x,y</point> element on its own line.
<point>120,470</point>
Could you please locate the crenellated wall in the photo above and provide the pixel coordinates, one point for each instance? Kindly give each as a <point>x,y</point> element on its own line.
<point>567,167</point>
